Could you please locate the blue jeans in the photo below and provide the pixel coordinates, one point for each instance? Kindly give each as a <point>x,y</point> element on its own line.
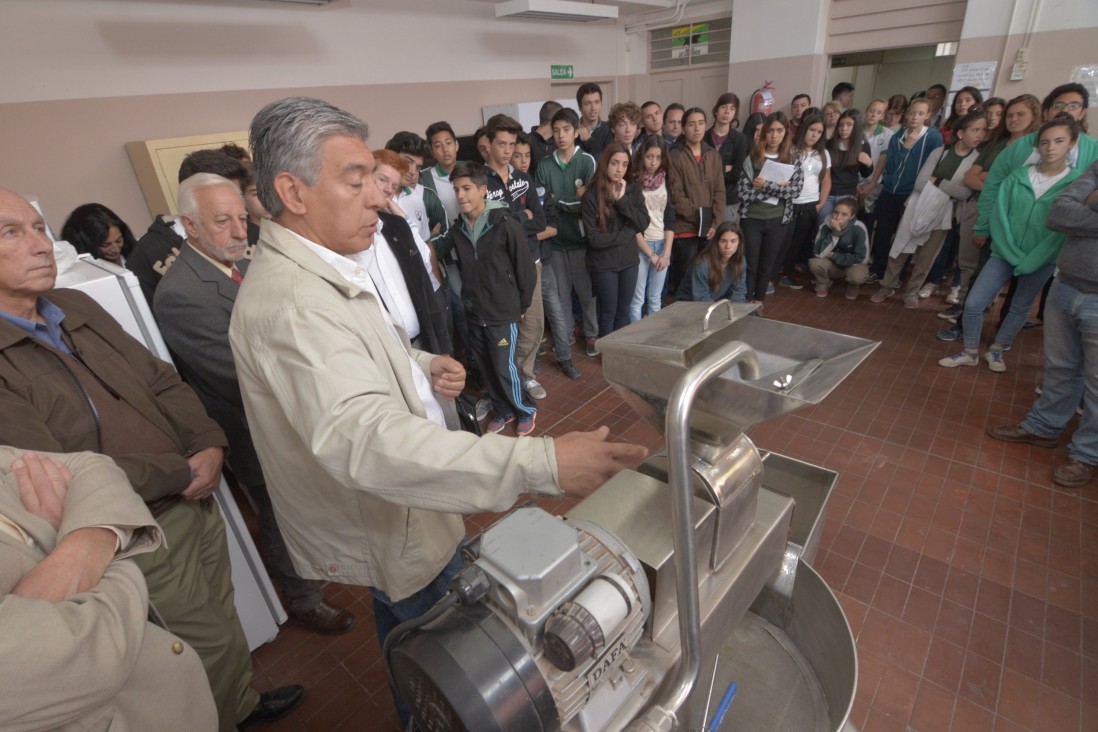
<point>554,315</point>
<point>614,293</point>
<point>649,284</point>
<point>828,207</point>
<point>389,614</point>
<point>1071,371</point>
<point>996,273</point>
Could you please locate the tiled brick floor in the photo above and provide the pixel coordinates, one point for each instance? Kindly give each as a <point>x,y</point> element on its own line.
<point>970,581</point>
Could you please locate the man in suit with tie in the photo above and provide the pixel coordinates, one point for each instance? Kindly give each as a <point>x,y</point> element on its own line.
<point>193,305</point>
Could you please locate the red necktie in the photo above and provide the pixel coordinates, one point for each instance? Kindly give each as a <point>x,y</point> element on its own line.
<point>235,274</point>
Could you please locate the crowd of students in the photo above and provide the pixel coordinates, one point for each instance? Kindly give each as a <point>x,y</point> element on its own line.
<point>582,225</point>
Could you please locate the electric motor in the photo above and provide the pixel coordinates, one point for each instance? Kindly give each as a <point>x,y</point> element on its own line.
<point>567,604</point>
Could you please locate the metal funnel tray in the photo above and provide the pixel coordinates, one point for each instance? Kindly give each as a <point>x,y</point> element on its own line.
<point>798,365</point>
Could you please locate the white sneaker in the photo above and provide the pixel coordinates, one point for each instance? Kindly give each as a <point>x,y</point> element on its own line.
<point>927,290</point>
<point>534,389</point>
<point>994,358</point>
<point>964,358</point>
<point>954,296</point>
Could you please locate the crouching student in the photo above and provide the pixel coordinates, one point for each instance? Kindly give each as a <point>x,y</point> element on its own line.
<point>841,250</point>
<point>718,271</point>
<point>498,284</point>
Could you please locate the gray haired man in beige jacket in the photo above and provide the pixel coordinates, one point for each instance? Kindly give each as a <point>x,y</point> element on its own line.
<point>354,427</point>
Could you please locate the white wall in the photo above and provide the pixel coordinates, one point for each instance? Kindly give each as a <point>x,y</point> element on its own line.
<point>998,18</point>
<point>83,77</point>
<point>72,49</point>
<point>774,29</point>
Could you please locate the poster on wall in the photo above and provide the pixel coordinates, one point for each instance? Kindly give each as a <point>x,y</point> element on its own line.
<point>690,40</point>
<point>1088,77</point>
<point>980,74</point>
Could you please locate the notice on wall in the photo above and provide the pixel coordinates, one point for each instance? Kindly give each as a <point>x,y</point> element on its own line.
<point>1088,77</point>
<point>980,74</point>
<point>690,40</point>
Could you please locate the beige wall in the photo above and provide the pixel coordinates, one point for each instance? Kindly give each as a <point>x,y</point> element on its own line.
<point>1053,54</point>
<point>114,71</point>
<point>863,25</point>
<point>83,77</point>
<point>71,152</point>
<point>790,76</point>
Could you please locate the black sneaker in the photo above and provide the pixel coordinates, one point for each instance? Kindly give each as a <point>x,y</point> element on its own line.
<point>951,313</point>
<point>569,369</point>
<point>591,350</point>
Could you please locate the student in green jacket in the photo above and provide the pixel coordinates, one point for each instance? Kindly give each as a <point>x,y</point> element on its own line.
<point>1021,244</point>
<point>566,174</point>
<point>1070,99</point>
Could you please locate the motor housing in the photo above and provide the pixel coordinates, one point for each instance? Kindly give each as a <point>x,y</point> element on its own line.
<point>567,603</point>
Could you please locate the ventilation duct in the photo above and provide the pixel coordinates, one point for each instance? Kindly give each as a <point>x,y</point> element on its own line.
<point>556,10</point>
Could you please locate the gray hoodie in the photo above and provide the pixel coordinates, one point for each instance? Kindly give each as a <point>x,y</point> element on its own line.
<point>1078,260</point>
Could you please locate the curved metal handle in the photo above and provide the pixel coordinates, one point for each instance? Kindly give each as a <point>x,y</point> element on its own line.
<point>679,407</point>
<point>710,310</point>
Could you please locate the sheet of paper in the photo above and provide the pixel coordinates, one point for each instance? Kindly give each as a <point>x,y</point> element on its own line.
<point>776,172</point>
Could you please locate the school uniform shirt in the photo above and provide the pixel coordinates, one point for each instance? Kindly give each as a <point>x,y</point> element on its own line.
<point>878,143</point>
<point>563,180</point>
<point>411,203</point>
<point>438,180</point>
<point>813,165</point>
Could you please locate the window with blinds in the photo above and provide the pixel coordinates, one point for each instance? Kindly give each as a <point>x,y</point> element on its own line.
<point>691,44</point>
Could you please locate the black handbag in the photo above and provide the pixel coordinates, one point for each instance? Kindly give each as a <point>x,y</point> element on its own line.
<point>466,406</point>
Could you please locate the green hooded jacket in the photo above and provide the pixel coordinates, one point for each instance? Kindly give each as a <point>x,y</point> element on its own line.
<point>1018,231</point>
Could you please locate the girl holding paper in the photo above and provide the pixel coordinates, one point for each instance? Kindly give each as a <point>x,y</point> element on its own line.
<point>770,181</point>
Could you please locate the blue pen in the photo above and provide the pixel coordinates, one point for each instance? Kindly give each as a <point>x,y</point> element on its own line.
<point>722,708</point>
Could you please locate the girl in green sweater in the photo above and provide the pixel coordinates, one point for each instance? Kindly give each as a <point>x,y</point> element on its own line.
<point>1021,244</point>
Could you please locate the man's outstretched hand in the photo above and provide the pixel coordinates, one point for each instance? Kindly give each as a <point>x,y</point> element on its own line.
<point>585,460</point>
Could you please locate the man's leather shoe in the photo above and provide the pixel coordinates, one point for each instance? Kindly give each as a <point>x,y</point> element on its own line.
<point>1074,474</point>
<point>273,704</point>
<point>1017,433</point>
<point>325,619</point>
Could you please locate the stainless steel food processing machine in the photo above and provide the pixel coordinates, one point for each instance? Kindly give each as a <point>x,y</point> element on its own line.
<point>673,588</point>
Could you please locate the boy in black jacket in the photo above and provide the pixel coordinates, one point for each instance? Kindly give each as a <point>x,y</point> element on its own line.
<point>498,284</point>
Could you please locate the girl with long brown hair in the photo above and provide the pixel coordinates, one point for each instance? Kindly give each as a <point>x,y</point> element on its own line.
<point>613,214</point>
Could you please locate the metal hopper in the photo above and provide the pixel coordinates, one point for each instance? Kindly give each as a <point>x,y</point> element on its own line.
<point>797,366</point>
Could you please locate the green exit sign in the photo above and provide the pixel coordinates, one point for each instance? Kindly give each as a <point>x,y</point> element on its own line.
<point>561,72</point>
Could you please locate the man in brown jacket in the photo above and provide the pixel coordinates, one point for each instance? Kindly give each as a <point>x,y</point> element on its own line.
<point>79,652</point>
<point>71,379</point>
